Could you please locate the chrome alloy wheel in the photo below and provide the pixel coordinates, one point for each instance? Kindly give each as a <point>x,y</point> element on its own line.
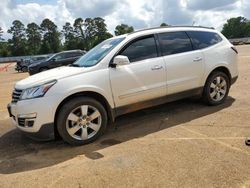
<point>83,122</point>
<point>218,88</point>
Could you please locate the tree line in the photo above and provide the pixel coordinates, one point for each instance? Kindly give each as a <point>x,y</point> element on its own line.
<point>46,38</point>
<point>238,27</point>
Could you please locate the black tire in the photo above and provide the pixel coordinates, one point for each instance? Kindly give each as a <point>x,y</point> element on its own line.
<point>24,69</point>
<point>207,89</point>
<point>67,108</point>
<point>43,69</point>
<point>247,141</point>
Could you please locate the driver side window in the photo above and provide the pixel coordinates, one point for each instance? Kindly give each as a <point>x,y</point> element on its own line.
<point>141,49</point>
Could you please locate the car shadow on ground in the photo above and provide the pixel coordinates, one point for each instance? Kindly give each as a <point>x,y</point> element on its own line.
<point>19,153</point>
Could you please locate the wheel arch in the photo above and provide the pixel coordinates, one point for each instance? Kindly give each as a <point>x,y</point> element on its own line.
<point>223,69</point>
<point>97,96</point>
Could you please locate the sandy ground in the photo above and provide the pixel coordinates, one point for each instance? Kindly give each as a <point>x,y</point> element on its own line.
<point>180,144</point>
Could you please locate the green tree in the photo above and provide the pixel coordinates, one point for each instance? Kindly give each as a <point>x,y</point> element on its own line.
<point>123,29</point>
<point>90,32</point>
<point>51,37</point>
<point>248,29</point>
<point>98,31</point>
<point>1,34</point>
<point>34,38</point>
<point>164,25</point>
<point>4,49</point>
<point>236,28</point>
<point>71,40</point>
<point>18,40</point>
<point>80,33</point>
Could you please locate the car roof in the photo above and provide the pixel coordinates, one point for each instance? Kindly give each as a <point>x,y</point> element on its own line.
<point>149,31</point>
<point>71,51</point>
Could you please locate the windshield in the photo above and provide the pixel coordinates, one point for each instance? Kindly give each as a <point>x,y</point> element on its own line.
<point>51,57</point>
<point>92,57</point>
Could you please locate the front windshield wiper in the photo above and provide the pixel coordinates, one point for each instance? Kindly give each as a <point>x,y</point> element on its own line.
<point>74,65</point>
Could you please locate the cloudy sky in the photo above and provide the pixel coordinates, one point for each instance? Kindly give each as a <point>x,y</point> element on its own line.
<point>139,13</point>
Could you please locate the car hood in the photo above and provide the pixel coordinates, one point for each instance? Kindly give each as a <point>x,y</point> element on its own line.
<point>47,76</point>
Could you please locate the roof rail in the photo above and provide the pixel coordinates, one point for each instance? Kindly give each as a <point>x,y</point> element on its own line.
<point>170,26</point>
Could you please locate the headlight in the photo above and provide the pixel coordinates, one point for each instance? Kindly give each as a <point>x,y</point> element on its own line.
<point>38,91</point>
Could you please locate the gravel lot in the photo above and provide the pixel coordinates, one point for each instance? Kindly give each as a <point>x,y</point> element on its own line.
<point>180,144</point>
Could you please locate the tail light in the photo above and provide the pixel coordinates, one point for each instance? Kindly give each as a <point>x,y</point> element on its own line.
<point>234,49</point>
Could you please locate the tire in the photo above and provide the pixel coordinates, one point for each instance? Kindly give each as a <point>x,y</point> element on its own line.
<point>24,69</point>
<point>75,124</point>
<point>43,69</point>
<point>216,90</point>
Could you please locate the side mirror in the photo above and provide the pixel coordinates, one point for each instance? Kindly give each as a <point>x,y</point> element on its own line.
<point>121,60</point>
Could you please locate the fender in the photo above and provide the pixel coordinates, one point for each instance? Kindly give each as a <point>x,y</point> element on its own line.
<point>212,68</point>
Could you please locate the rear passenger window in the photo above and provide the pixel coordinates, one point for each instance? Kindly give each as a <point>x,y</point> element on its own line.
<point>174,43</point>
<point>202,39</point>
<point>141,49</point>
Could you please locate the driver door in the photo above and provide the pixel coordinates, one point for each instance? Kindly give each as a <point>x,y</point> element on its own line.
<point>141,80</point>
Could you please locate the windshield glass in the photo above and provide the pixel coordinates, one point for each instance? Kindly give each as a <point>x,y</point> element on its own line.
<point>92,57</point>
<point>51,57</point>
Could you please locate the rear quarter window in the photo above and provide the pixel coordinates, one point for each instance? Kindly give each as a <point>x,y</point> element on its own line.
<point>203,39</point>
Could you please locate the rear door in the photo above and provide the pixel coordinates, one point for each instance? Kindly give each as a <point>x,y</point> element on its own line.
<point>184,65</point>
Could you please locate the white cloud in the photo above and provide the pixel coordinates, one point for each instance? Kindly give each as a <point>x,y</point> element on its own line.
<point>139,13</point>
<point>209,4</point>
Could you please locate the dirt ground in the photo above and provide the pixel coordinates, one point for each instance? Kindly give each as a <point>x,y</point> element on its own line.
<point>180,144</point>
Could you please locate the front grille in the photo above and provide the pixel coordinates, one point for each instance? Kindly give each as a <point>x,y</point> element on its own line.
<point>16,95</point>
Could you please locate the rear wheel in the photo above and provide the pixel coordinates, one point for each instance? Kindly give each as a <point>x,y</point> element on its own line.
<point>81,120</point>
<point>216,88</point>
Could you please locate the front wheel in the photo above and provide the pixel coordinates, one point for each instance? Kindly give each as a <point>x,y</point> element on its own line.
<point>216,88</point>
<point>81,120</point>
<point>24,69</point>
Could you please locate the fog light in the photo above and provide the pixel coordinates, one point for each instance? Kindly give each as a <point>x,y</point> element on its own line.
<point>26,120</point>
<point>29,123</point>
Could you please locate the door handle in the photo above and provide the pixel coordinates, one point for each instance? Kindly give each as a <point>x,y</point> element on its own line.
<point>197,59</point>
<point>157,67</point>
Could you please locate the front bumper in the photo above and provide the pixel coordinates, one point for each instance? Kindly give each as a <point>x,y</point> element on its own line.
<point>32,118</point>
<point>234,79</point>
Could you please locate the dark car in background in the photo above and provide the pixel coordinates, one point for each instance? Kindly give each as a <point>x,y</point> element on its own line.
<point>22,64</point>
<point>59,59</point>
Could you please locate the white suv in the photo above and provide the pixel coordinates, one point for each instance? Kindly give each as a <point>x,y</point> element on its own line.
<point>121,75</point>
